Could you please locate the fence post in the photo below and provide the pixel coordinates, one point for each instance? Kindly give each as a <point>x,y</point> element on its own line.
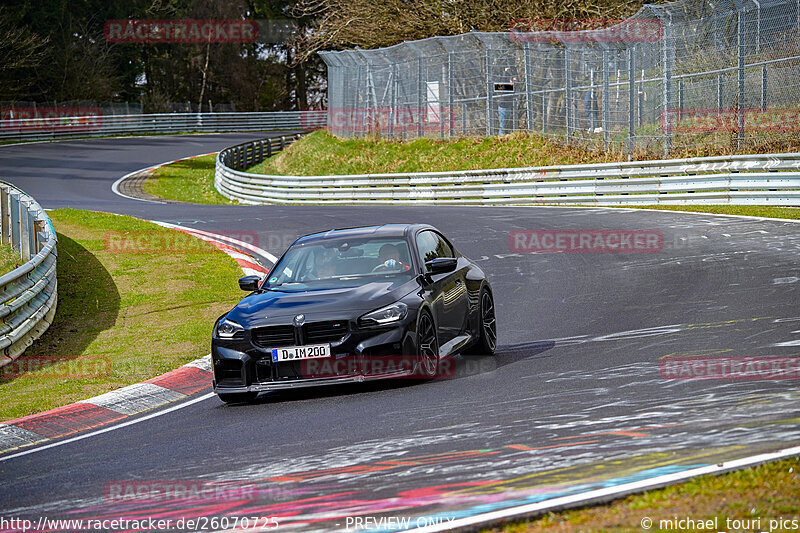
<point>421,108</point>
<point>606,100</point>
<point>528,95</point>
<point>488,91</point>
<point>568,92</point>
<point>740,106</point>
<point>764,88</point>
<point>393,109</point>
<point>680,99</point>
<point>667,95</point>
<point>631,99</point>
<point>450,93</point>
<point>719,93</point>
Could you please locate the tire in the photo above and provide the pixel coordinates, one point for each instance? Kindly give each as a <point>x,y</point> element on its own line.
<point>487,340</point>
<point>427,346</point>
<point>237,397</point>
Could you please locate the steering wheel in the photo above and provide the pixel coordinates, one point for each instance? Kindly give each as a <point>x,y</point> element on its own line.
<point>391,264</point>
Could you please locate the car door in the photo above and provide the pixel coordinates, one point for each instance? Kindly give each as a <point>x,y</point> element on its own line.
<point>447,292</point>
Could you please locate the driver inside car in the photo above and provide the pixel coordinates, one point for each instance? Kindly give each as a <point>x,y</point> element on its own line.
<point>389,259</point>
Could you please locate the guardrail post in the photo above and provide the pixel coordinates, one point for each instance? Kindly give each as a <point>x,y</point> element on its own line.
<point>29,240</point>
<point>283,142</point>
<point>5,216</point>
<point>269,147</point>
<point>740,106</point>
<point>41,236</point>
<point>15,221</point>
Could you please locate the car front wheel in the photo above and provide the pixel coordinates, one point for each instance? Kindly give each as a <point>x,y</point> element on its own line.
<point>487,339</point>
<point>427,346</point>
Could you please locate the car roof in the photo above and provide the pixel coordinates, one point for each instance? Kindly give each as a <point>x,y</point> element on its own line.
<point>386,230</point>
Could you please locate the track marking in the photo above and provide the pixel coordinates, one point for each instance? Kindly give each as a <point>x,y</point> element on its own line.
<point>117,183</point>
<point>246,245</point>
<point>604,494</point>
<point>107,429</point>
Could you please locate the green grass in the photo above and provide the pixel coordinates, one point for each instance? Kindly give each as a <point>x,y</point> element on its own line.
<point>9,259</point>
<point>767,491</point>
<point>140,312</point>
<point>321,153</point>
<point>190,180</point>
<point>748,210</point>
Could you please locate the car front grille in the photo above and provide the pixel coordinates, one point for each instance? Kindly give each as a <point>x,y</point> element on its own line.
<point>330,331</point>
<point>314,332</point>
<point>274,336</point>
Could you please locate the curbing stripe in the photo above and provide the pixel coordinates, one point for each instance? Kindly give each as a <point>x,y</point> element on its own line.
<point>185,380</point>
<point>204,363</point>
<point>14,437</point>
<point>116,405</point>
<point>63,421</point>
<point>135,399</point>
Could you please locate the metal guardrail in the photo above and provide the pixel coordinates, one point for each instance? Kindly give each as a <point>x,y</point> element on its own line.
<point>28,293</point>
<point>43,128</point>
<point>251,153</point>
<point>772,179</point>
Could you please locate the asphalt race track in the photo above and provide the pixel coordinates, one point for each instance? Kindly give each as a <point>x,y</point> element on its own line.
<point>574,399</point>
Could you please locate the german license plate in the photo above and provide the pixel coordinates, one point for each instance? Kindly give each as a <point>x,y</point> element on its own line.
<point>314,351</point>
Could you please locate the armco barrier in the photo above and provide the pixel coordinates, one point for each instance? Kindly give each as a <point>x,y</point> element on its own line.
<point>39,128</point>
<point>28,293</point>
<point>771,179</point>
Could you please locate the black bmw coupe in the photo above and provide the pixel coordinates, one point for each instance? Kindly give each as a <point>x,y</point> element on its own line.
<point>350,305</point>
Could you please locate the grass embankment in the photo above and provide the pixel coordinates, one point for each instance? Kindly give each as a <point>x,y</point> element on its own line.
<point>321,153</point>
<point>190,180</point>
<point>768,492</point>
<point>126,312</point>
<point>9,259</point>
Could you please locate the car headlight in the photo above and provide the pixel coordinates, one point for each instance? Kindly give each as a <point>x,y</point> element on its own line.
<point>227,329</point>
<point>385,315</point>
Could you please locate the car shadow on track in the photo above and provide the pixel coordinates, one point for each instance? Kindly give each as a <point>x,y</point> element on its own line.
<point>453,368</point>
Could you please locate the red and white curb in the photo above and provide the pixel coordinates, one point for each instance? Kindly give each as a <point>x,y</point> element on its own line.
<point>134,399</point>
<point>246,262</point>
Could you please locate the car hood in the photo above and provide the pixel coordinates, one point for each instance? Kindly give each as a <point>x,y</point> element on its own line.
<point>275,307</point>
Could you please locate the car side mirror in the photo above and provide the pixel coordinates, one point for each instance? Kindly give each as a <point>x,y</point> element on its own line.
<point>249,283</point>
<point>440,265</point>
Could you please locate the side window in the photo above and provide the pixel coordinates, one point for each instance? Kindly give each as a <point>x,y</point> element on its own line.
<point>431,245</point>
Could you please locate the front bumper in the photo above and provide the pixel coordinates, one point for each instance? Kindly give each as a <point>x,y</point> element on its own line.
<point>363,354</point>
<point>301,383</point>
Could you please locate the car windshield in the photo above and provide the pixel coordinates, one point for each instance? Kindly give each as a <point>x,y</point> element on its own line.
<point>340,263</point>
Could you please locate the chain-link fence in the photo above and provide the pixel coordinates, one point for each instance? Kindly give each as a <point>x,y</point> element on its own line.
<point>673,75</point>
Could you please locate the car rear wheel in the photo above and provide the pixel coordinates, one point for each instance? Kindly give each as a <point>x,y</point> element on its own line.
<point>427,346</point>
<point>487,340</point>
<point>237,397</point>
